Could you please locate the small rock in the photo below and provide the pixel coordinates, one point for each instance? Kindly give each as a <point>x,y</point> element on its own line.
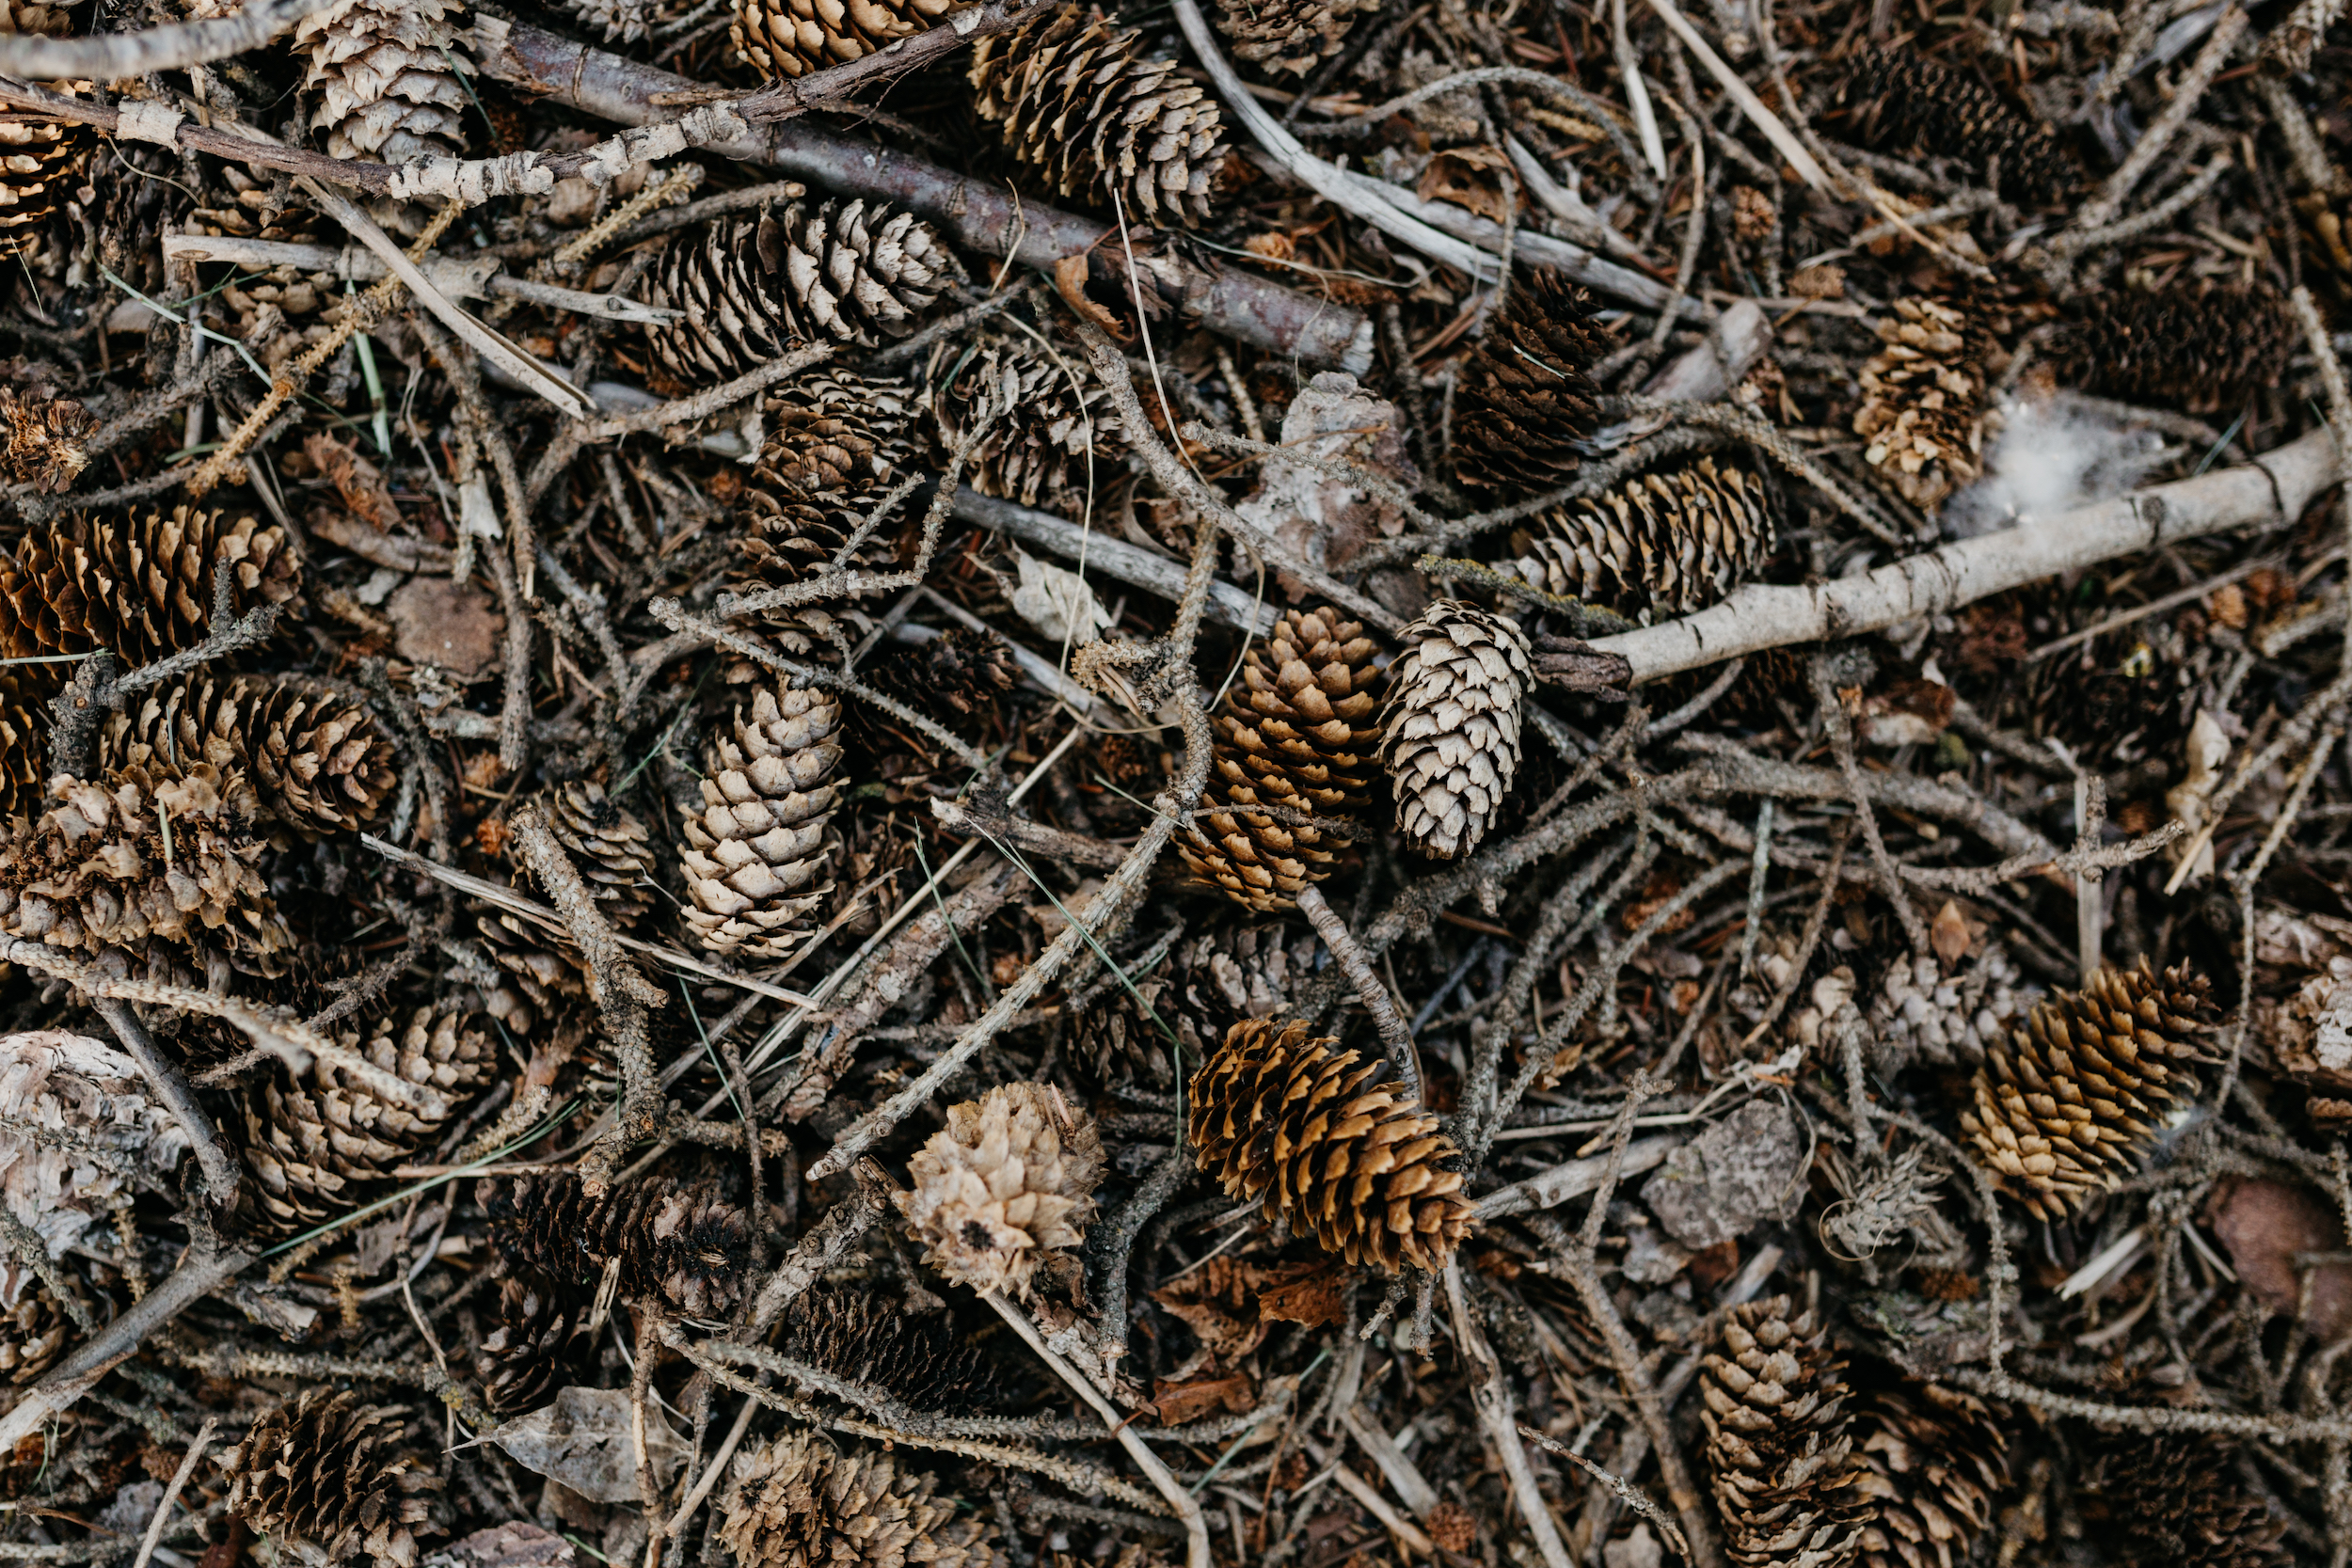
<point>440,621</point>
<point>1740,1171</point>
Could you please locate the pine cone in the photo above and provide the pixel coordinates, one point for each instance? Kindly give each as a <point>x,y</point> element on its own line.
<point>317,763</point>
<point>679,1245</point>
<point>254,204</point>
<point>1121,1040</point>
<point>623,20</point>
<point>1290,36</point>
<point>531,1355</point>
<point>1664,543</point>
<point>1303,709</point>
<point>868,1338</point>
<point>1008,1181</point>
<point>1054,413</point>
<point>138,587</point>
<point>1948,1021</point>
<point>544,966</point>
<point>753,288</point>
<point>759,857</point>
<point>2062,1110</point>
<point>94,871</point>
<point>316,1142</point>
<point>607,845</point>
<point>2174,1499</point>
<point>40,160</point>
<point>1935,1459</point>
<point>1900,98</point>
<point>33,1334</point>
<point>1921,397</point>
<point>789,39</point>
<point>1076,98</point>
<point>44,440</point>
<point>23,748</point>
<point>961,674</point>
<point>325,1475</point>
<point>799,1503</point>
<point>1243,973</point>
<point>1330,1146</point>
<point>1449,724</point>
<point>542,1226</point>
<point>1260,861</point>
<point>1779,1457</point>
<point>1524,396</point>
<point>2203,349</point>
<point>389,74</point>
<point>833,431</point>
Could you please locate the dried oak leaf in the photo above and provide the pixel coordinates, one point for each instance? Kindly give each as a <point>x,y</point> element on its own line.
<point>2262,1224</point>
<point>1478,177</point>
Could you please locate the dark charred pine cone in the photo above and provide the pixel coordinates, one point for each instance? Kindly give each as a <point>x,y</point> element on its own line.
<point>1330,1146</point>
<point>1779,1456</point>
<point>1664,543</point>
<point>1922,396</point>
<point>760,856</point>
<point>138,587</point>
<point>542,1228</point>
<point>1122,1039</point>
<point>1449,724</point>
<point>752,288</point>
<point>800,1502</point>
<point>44,439</point>
<point>609,847</point>
<point>1290,36</point>
<point>2205,350</point>
<point>1243,973</point>
<point>959,675</point>
<point>2072,1101</point>
<point>679,1245</point>
<point>867,1339</point>
<point>328,1476</point>
<point>1005,1189</point>
<point>1523,398</point>
<point>1075,97</point>
<point>530,1354</point>
<point>879,866</point>
<point>1303,709</point>
<point>317,762</point>
<point>1935,1460</point>
<point>790,38</point>
<point>316,1142</point>
<point>33,1334</point>
<point>1057,440</point>
<point>94,871</point>
<point>1900,98</point>
<point>2174,1497</point>
<point>386,75</point>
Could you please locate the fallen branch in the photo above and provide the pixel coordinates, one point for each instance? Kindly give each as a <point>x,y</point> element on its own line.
<point>1394,1036</point>
<point>115,56</point>
<point>1490,1395</point>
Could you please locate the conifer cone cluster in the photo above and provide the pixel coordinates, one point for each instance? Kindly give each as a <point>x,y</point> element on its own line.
<point>1524,397</point>
<point>386,73</point>
<point>528,1356</point>
<point>682,1246</point>
<point>1921,398</point>
<point>752,288</point>
<point>1664,544</point>
<point>2072,1101</point>
<point>798,1502</point>
<point>2175,1498</point>
<point>1289,37</point>
<point>1900,98</point>
<point>1935,1461</point>
<point>42,440</point>
<point>330,1477</point>
<point>317,762</point>
<point>869,1338</point>
<point>314,1142</point>
<point>1330,1146</point>
<point>788,39</point>
<point>1075,97</point>
<point>1449,724</point>
<point>1298,732</point>
<point>1048,435</point>
<point>1779,1455</point>
<point>1005,1190</point>
<point>2203,348</point>
<point>758,858</point>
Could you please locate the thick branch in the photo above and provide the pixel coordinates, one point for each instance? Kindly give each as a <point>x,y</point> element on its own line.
<point>112,57</point>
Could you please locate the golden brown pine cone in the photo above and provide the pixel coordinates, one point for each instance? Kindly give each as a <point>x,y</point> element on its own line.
<point>33,1334</point>
<point>40,160</point>
<point>317,762</point>
<point>1005,1186</point>
<point>1449,724</point>
<point>1056,440</point>
<point>1922,400</point>
<point>789,39</point>
<point>2072,1101</point>
<point>1290,37</point>
<point>800,1502</point>
<point>331,1478</point>
<point>1660,544</point>
<point>1330,1145</point>
<point>23,748</point>
<point>316,1142</point>
<point>1900,98</point>
<point>1935,1460</point>
<point>92,872</point>
<point>1075,97</point>
<point>607,845</point>
<point>758,858</point>
<point>532,1352</point>
<point>870,1339</point>
<point>1258,858</point>
<point>1779,1457</point>
<point>1305,707</point>
<point>386,73</point>
<point>42,439</point>
<point>2175,1499</point>
<point>1524,397</point>
<point>2203,348</point>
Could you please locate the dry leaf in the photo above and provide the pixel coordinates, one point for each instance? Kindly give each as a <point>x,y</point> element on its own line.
<point>1179,1403</point>
<point>1231,1304</point>
<point>1948,936</point>
<point>1478,177</point>
<point>447,623</point>
<point>359,481</point>
<point>1070,281</point>
<point>1314,1298</point>
<point>2262,1224</point>
<point>586,1440</point>
<point>1057,602</point>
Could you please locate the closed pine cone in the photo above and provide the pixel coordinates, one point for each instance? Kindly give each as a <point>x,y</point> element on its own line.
<point>1664,544</point>
<point>1290,36</point>
<point>389,74</point>
<point>529,1356</point>
<point>1056,440</point>
<point>541,1227</point>
<point>1449,724</point>
<point>758,858</point>
<point>1935,1459</point>
<point>327,1477</point>
<point>317,762</point>
<point>91,873</point>
<point>1523,398</point>
<point>623,20</point>
<point>315,1141</point>
<point>1330,1146</point>
<point>752,288</point>
<point>1779,1455</point>
<point>790,38</point>
<point>609,847</point>
<point>41,439</point>
<point>1921,398</point>
<point>2205,349</point>
<point>1008,1183</point>
<point>2175,1499</point>
<point>869,1338</point>
<point>1946,1019</point>
<point>1901,98</point>
<point>2064,1109</point>
<point>798,1502</point>
<point>1076,98</point>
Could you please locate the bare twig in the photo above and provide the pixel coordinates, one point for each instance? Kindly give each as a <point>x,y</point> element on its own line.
<point>1394,1035</point>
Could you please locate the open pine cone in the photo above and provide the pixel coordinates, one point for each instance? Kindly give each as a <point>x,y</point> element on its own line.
<point>1779,1457</point>
<point>798,1503</point>
<point>1660,544</point>
<point>1055,439</point>
<point>1899,97</point>
<point>760,856</point>
<point>327,1478</point>
<point>789,39</point>
<point>318,763</point>
<point>2205,349</point>
<point>1449,724</point>
<point>2173,1497</point>
<point>1007,1186</point>
<point>1935,1461</point>
<point>41,439</point>
<point>1289,37</point>
<point>683,1246</point>
<point>1523,398</point>
<point>529,1356</point>
<point>1921,398</point>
